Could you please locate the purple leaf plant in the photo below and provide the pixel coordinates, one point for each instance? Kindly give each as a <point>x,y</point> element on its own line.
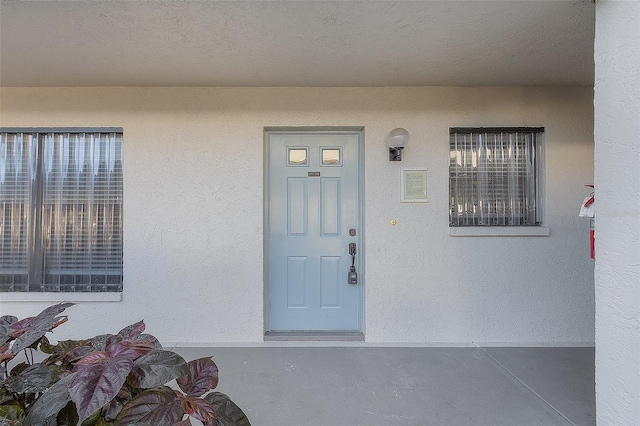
<point>118,379</point>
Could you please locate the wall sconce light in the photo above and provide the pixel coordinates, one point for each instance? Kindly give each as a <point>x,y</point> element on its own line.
<point>396,141</point>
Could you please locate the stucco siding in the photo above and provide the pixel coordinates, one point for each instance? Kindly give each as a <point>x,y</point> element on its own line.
<point>617,173</point>
<point>193,211</point>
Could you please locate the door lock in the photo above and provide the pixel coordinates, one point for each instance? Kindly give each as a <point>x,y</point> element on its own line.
<point>353,276</point>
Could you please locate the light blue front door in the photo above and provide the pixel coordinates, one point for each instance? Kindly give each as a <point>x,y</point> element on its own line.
<point>313,212</point>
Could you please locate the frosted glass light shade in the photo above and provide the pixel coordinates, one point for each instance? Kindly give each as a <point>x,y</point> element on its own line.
<point>398,138</point>
<point>396,141</point>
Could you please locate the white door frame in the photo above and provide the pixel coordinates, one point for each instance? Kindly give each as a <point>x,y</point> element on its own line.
<point>360,258</point>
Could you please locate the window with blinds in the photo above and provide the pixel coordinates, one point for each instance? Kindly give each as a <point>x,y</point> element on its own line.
<point>494,176</point>
<point>60,211</point>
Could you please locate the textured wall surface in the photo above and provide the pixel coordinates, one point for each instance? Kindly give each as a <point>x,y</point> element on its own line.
<point>193,213</point>
<point>617,178</point>
<point>296,43</point>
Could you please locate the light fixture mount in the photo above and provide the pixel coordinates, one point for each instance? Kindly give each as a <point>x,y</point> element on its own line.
<point>395,154</point>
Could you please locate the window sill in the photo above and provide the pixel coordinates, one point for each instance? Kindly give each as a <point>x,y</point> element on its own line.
<point>499,231</point>
<point>60,297</point>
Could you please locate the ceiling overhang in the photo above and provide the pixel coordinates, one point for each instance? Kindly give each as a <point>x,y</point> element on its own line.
<point>296,43</point>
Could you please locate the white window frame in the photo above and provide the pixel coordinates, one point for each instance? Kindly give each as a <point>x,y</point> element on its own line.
<point>88,292</point>
<point>476,230</point>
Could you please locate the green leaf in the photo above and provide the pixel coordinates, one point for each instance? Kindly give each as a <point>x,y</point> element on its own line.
<point>95,385</point>
<point>57,372</point>
<point>203,377</point>
<point>11,412</point>
<point>19,368</point>
<point>33,379</point>
<point>92,420</point>
<point>50,402</point>
<point>68,415</point>
<point>157,368</point>
<point>65,346</point>
<point>69,351</point>
<point>96,420</point>
<point>5,396</point>
<point>227,412</point>
<point>47,347</point>
<point>158,406</point>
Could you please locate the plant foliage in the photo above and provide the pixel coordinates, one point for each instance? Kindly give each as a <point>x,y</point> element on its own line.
<point>111,379</point>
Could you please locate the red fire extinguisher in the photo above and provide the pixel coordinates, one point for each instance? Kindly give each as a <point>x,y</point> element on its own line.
<point>592,237</point>
<point>587,210</point>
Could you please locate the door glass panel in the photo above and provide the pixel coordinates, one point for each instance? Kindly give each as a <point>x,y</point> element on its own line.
<point>297,157</point>
<point>331,156</point>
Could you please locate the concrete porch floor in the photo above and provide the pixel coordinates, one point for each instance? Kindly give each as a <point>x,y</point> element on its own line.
<point>365,385</point>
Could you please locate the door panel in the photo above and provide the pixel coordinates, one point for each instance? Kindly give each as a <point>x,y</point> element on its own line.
<point>297,208</point>
<point>331,206</point>
<point>330,281</point>
<point>296,281</point>
<point>313,202</point>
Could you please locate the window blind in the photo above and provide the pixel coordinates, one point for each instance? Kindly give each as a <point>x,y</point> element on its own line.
<point>71,212</point>
<point>17,152</point>
<point>493,177</point>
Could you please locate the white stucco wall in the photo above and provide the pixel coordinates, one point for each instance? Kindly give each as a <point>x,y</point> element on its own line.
<point>617,179</point>
<point>193,212</point>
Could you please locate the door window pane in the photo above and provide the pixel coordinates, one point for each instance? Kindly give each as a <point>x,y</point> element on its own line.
<point>297,156</point>
<point>331,156</point>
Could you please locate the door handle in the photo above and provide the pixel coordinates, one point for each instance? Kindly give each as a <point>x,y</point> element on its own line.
<point>353,275</point>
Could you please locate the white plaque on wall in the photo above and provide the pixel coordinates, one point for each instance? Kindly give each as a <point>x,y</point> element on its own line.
<point>414,185</point>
